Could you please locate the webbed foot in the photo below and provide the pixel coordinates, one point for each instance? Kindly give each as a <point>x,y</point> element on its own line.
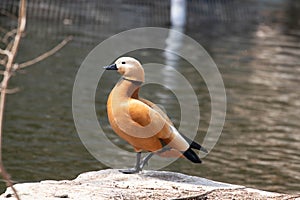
<point>130,171</point>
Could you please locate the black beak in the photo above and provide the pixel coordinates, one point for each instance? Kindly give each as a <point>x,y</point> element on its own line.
<point>111,67</point>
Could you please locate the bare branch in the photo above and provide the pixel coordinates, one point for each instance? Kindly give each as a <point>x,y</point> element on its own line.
<point>6,76</point>
<point>11,91</point>
<point>12,40</point>
<point>3,58</point>
<point>8,35</point>
<point>9,45</point>
<point>5,52</point>
<point>44,55</point>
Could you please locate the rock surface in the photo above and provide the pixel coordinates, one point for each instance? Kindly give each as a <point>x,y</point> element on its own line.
<point>111,184</point>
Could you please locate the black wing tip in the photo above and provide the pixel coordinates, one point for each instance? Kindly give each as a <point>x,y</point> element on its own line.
<point>197,146</point>
<point>194,145</point>
<point>192,156</point>
<point>203,150</point>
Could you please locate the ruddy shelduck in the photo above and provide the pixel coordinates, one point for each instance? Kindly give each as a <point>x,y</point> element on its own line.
<point>142,123</point>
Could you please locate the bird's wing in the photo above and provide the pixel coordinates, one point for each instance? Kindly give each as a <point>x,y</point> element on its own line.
<point>157,109</point>
<point>143,114</point>
<point>192,143</point>
<point>156,124</point>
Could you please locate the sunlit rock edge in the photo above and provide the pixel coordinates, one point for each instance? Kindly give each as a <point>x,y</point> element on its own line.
<point>111,184</point>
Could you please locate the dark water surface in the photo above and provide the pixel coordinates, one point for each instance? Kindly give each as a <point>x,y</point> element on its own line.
<point>256,46</point>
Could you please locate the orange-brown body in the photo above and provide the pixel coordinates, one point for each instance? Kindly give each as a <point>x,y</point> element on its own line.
<point>138,115</point>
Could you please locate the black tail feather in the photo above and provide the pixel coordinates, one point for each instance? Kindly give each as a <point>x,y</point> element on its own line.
<point>192,156</point>
<point>194,144</point>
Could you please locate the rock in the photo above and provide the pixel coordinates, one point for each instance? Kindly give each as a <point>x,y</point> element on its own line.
<point>111,184</point>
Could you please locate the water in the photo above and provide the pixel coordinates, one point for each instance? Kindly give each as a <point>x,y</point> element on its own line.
<point>256,47</point>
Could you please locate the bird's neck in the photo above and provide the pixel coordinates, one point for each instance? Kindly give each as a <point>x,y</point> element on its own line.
<point>127,89</point>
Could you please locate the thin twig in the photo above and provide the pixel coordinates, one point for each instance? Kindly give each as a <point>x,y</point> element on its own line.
<point>12,91</point>
<point>5,52</point>
<point>8,35</point>
<point>4,59</point>
<point>45,55</point>
<point>12,41</point>
<point>6,76</point>
<point>9,45</point>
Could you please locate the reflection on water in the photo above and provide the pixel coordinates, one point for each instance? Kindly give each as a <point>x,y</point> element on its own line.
<point>256,45</point>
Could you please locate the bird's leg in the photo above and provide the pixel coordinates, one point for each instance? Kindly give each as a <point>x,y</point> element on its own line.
<point>141,164</point>
<point>145,160</point>
<point>137,167</point>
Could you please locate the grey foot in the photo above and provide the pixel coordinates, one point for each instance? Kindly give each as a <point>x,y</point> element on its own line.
<point>130,171</point>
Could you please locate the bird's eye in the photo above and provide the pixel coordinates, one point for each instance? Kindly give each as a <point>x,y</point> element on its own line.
<point>123,63</point>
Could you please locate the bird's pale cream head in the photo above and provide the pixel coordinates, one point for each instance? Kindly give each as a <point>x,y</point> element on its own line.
<point>129,68</point>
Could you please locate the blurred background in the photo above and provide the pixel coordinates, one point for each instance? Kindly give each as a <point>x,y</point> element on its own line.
<point>255,44</point>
